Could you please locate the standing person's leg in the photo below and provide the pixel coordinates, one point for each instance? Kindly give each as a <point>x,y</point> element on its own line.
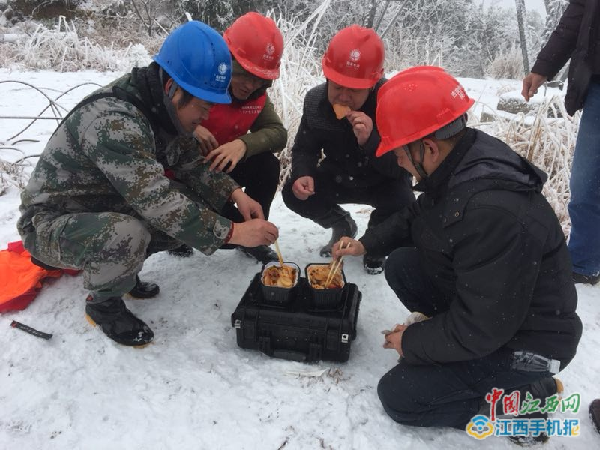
<point>323,207</point>
<point>584,207</point>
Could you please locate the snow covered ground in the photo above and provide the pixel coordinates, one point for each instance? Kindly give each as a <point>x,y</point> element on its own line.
<point>193,388</point>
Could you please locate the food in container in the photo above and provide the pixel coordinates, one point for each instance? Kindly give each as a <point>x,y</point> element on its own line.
<point>279,276</point>
<point>278,282</point>
<point>317,277</point>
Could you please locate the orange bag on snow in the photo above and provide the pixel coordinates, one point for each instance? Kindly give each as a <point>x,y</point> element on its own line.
<point>20,279</point>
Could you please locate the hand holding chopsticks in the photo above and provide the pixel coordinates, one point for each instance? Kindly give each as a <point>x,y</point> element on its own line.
<point>335,265</point>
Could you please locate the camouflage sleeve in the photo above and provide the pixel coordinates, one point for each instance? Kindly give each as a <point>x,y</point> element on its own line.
<point>122,146</point>
<point>191,169</point>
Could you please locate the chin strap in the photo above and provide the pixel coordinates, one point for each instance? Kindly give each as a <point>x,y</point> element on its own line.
<point>417,165</point>
<point>168,101</point>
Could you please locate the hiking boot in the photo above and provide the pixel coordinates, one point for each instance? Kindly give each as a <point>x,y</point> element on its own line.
<point>183,251</point>
<point>585,279</point>
<point>118,323</point>
<point>595,414</point>
<point>528,440</point>
<point>539,390</point>
<point>143,289</point>
<point>262,253</point>
<point>346,226</point>
<point>373,264</point>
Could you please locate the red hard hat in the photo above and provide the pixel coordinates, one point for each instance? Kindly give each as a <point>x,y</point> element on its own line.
<point>257,44</point>
<point>418,102</point>
<point>354,58</point>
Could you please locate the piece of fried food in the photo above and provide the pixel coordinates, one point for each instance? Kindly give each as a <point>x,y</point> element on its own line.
<point>278,276</point>
<point>317,276</point>
<point>341,111</point>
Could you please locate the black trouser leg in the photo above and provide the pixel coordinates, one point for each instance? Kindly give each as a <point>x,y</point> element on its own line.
<point>387,197</point>
<point>448,395</point>
<point>259,175</point>
<point>407,278</point>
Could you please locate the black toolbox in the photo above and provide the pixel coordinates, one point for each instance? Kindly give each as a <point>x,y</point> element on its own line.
<point>296,330</point>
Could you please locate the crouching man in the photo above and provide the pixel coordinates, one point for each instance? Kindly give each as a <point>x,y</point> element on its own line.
<point>480,252</point>
<point>98,199</point>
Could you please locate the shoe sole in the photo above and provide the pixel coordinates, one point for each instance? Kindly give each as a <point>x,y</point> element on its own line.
<point>560,387</point>
<point>94,324</point>
<point>372,271</point>
<point>133,297</point>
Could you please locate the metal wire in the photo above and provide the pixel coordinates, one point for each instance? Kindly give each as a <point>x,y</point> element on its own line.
<point>52,105</point>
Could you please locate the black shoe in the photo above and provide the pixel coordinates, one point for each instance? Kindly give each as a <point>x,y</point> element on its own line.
<point>595,414</point>
<point>262,253</point>
<point>45,266</point>
<point>344,227</point>
<point>183,251</point>
<point>373,264</point>
<point>530,441</point>
<point>585,279</point>
<point>539,390</point>
<point>143,289</point>
<point>118,323</point>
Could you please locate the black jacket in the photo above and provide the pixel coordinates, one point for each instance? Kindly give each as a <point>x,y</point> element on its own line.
<point>351,164</point>
<point>490,241</point>
<point>577,36</point>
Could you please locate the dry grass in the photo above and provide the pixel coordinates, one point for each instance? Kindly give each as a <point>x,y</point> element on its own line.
<point>549,143</point>
<point>63,49</point>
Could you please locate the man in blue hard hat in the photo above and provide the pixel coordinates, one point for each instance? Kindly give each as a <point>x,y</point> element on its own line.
<point>98,199</point>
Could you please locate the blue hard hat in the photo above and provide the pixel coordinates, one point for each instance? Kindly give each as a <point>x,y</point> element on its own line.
<point>198,59</point>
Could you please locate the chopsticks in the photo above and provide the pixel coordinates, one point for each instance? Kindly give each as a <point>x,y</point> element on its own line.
<point>278,253</point>
<point>335,265</point>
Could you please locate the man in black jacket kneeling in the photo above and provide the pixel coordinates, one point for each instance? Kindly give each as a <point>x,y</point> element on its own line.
<point>480,253</point>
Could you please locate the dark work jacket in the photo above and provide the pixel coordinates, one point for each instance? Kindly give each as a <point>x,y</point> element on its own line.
<point>489,240</point>
<point>350,164</point>
<point>577,36</point>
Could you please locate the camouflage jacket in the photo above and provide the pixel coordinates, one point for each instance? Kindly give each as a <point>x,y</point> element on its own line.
<point>106,157</point>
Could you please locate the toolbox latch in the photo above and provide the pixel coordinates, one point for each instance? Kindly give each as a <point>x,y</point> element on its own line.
<point>237,323</point>
<point>345,338</point>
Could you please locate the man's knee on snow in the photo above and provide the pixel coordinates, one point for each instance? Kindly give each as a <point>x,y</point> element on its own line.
<point>399,397</point>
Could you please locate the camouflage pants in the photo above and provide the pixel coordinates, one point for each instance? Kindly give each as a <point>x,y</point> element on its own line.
<point>110,248</point>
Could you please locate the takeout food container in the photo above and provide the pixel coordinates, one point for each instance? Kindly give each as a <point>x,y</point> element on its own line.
<point>280,293</point>
<point>324,297</point>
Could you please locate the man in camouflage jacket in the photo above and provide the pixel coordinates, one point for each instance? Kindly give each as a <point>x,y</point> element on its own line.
<point>98,199</point>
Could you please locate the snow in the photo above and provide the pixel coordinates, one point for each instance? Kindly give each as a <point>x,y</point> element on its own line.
<point>194,388</point>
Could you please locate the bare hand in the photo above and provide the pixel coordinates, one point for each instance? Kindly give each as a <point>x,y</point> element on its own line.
<point>394,339</point>
<point>347,246</point>
<point>362,125</point>
<point>531,83</point>
<point>253,233</point>
<point>227,154</point>
<point>246,205</point>
<point>303,187</point>
<point>206,140</point>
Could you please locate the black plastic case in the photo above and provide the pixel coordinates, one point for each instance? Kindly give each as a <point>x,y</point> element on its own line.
<point>297,331</point>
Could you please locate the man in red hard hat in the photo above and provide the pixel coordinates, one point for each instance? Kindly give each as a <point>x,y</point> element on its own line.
<point>338,121</point>
<point>242,137</point>
<point>480,253</point>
